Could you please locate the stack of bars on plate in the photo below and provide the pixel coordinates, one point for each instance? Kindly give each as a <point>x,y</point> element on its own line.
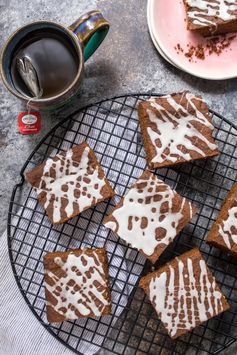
<point>176,129</point>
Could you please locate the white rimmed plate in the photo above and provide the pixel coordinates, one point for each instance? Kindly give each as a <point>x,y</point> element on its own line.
<point>166,21</point>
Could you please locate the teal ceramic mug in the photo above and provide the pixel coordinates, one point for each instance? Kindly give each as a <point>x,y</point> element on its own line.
<point>85,35</point>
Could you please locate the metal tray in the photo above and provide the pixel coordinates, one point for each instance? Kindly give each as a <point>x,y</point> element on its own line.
<point>111,128</point>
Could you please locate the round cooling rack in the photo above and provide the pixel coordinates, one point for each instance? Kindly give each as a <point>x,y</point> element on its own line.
<point>111,129</point>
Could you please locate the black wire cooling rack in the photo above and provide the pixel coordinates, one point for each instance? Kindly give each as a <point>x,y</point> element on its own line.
<point>111,129</point>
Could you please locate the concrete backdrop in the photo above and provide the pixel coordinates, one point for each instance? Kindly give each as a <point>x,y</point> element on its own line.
<point>126,62</point>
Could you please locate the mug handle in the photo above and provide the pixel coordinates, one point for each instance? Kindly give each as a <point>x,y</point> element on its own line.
<point>91,30</point>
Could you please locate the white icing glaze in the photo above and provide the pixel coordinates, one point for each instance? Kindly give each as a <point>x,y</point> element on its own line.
<point>84,270</point>
<point>172,132</point>
<point>134,208</point>
<point>67,173</point>
<point>182,304</point>
<point>225,228</point>
<point>221,9</point>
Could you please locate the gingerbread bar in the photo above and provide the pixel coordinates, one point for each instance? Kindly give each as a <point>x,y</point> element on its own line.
<point>223,233</point>
<point>209,17</point>
<point>76,284</point>
<point>184,293</point>
<point>150,216</point>
<point>70,183</point>
<point>176,128</point>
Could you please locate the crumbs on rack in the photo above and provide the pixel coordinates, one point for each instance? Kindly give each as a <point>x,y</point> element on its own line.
<point>212,45</point>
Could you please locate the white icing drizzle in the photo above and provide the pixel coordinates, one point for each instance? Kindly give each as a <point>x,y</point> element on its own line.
<point>77,177</point>
<point>202,10</point>
<point>76,290</point>
<point>129,216</point>
<point>194,298</point>
<point>225,228</point>
<point>172,132</point>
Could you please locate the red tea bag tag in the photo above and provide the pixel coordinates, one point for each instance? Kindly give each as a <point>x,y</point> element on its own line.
<point>29,122</point>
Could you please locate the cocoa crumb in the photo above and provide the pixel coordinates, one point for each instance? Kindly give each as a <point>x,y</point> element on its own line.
<point>217,45</point>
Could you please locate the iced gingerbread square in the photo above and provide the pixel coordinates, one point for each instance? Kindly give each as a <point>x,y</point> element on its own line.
<point>223,233</point>
<point>150,216</point>
<point>76,284</point>
<point>70,183</point>
<point>184,293</point>
<point>209,17</point>
<point>176,129</point>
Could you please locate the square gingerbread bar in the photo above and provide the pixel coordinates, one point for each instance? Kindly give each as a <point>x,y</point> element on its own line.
<point>76,284</point>
<point>184,293</point>
<point>70,183</point>
<point>223,233</point>
<point>211,17</point>
<point>176,129</point>
<point>150,216</point>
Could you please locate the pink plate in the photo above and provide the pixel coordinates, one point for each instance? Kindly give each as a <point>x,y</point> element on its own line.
<point>166,19</point>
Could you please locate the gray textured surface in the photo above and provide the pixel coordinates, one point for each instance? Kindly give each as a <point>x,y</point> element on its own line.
<point>126,62</point>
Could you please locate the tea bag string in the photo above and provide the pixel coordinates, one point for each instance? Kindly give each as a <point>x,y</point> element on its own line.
<point>33,98</point>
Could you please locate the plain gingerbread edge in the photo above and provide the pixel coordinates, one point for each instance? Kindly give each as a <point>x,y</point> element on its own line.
<point>221,247</point>
<point>186,14</point>
<point>105,265</point>
<point>33,176</point>
<point>213,234</point>
<point>109,192</point>
<point>143,117</point>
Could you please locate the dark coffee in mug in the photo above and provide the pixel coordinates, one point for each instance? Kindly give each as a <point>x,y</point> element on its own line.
<point>44,64</point>
<point>49,57</point>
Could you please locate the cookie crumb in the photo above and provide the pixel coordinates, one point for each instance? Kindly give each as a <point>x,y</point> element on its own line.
<point>216,44</point>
